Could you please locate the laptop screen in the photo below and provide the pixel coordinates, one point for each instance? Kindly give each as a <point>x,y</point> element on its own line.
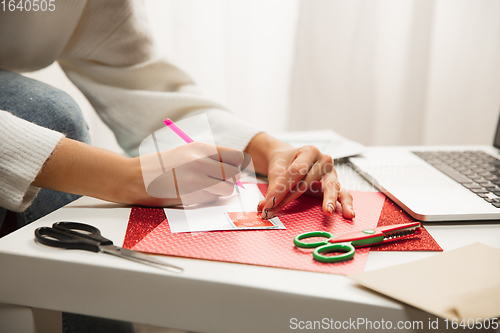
<point>496,143</point>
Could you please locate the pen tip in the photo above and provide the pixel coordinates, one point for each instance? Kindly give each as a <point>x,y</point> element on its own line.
<point>168,122</point>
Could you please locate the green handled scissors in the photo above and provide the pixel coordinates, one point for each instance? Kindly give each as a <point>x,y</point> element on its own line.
<point>347,244</point>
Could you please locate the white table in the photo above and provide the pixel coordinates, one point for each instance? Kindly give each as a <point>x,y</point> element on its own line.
<point>208,296</point>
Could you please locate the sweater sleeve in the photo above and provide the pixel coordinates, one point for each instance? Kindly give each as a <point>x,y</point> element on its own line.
<point>111,58</point>
<point>25,147</point>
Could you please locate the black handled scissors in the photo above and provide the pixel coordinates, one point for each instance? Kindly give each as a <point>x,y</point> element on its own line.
<point>80,236</point>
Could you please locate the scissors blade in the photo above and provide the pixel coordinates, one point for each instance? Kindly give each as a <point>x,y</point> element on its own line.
<point>139,257</point>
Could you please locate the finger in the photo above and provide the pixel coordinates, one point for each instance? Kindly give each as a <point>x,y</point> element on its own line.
<point>260,205</point>
<point>187,181</point>
<point>218,170</point>
<point>299,167</point>
<point>314,175</point>
<point>229,171</point>
<point>229,161</point>
<point>345,199</point>
<point>331,188</point>
<point>213,169</point>
<point>228,155</point>
<point>333,192</point>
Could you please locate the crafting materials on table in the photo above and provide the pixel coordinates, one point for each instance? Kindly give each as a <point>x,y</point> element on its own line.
<point>148,231</point>
<point>347,244</point>
<point>273,248</point>
<point>80,236</point>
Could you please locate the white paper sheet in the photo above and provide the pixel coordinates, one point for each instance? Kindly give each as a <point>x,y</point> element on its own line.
<point>212,217</point>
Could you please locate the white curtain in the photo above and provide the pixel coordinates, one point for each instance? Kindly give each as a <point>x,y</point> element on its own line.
<point>392,72</point>
<point>381,72</point>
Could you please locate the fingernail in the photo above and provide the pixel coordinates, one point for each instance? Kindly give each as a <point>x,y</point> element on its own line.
<point>330,207</point>
<point>353,213</point>
<point>267,211</point>
<point>274,203</point>
<point>270,214</point>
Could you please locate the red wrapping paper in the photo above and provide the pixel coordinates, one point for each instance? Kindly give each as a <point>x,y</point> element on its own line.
<point>392,214</point>
<point>273,248</point>
<point>148,231</point>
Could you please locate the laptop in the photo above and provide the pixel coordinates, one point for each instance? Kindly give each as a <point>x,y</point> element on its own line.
<point>437,183</point>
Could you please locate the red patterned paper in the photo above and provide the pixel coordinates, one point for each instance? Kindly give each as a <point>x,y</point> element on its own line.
<point>144,220</point>
<point>392,214</point>
<point>272,248</point>
<point>141,222</point>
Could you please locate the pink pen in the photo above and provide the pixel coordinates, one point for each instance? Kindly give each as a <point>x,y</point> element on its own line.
<point>170,124</point>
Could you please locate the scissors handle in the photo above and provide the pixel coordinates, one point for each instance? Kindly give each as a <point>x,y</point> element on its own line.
<point>308,245</point>
<point>324,246</point>
<point>82,230</point>
<point>62,239</point>
<point>347,249</point>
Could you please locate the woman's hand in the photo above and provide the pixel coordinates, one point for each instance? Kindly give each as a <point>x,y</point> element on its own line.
<point>294,171</point>
<point>195,173</point>
<point>75,167</point>
<point>201,177</point>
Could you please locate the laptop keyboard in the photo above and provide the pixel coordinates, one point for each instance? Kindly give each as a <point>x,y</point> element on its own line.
<point>475,170</point>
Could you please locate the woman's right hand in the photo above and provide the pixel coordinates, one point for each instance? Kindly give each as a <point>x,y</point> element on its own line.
<point>78,168</point>
<point>194,173</point>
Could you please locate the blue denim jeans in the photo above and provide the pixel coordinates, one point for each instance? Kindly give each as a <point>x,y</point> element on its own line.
<point>49,107</point>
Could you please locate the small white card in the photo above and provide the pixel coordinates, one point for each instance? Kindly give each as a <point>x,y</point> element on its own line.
<point>252,221</point>
<point>215,216</point>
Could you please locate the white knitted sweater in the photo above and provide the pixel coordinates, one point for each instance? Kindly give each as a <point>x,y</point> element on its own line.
<point>106,50</point>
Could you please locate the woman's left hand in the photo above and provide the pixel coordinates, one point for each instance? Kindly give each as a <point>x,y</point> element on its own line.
<point>294,171</point>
